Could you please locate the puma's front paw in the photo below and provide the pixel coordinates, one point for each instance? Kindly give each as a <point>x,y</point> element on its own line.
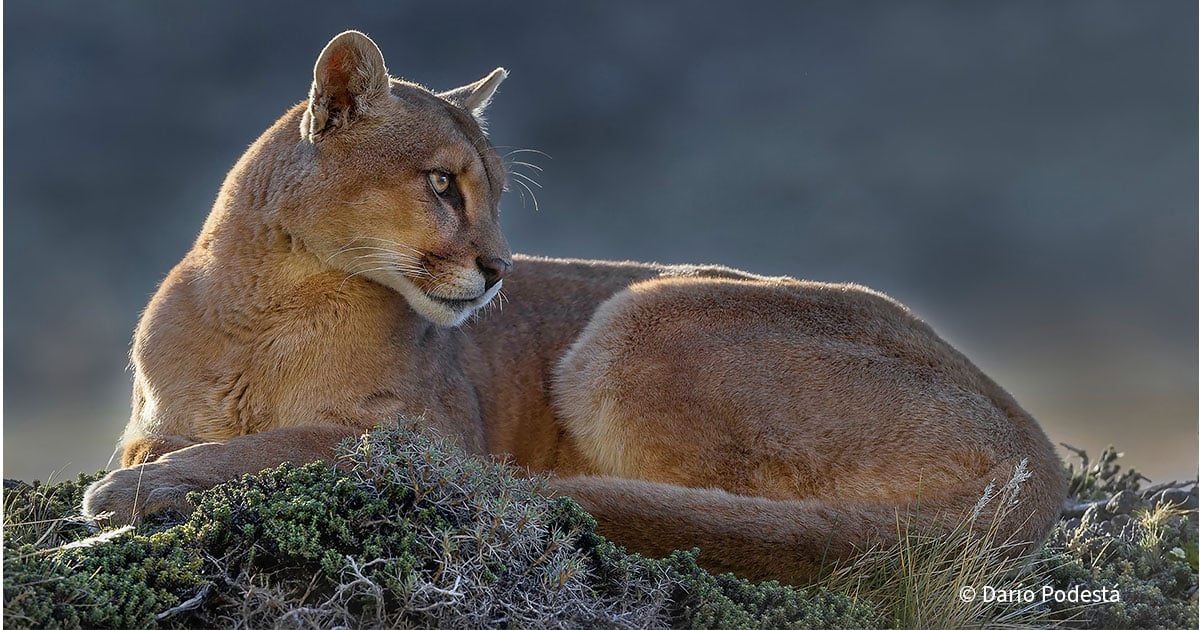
<point>125,496</point>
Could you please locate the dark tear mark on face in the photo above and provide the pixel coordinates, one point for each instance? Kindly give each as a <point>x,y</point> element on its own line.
<point>493,170</point>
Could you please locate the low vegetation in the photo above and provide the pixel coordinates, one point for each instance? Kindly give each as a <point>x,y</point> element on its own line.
<point>408,532</point>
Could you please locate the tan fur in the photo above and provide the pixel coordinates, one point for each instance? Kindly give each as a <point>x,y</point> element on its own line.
<point>775,423</point>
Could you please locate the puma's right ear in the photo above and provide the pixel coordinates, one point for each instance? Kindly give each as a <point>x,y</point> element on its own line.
<point>348,78</point>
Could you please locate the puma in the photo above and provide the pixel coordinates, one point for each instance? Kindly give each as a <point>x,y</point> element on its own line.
<point>775,423</point>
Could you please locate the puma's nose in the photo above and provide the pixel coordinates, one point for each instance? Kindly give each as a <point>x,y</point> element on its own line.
<point>493,270</point>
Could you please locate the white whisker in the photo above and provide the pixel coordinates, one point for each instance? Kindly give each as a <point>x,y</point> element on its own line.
<point>532,166</point>
<point>404,258</point>
<point>370,247</point>
<point>527,178</point>
<point>390,242</point>
<point>516,151</point>
<point>348,277</point>
<point>528,190</point>
<point>520,192</point>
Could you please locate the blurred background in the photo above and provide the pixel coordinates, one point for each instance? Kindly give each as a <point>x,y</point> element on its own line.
<point>1021,174</point>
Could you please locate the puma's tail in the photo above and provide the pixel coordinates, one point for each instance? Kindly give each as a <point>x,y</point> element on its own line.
<point>790,541</point>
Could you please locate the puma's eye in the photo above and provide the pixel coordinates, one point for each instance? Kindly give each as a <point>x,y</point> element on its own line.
<point>439,182</point>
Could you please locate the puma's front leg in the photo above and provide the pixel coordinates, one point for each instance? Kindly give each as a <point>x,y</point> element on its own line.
<point>126,495</point>
<point>148,449</point>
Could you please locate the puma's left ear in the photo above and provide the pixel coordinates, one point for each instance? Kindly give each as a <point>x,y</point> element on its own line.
<point>475,97</point>
<point>348,78</point>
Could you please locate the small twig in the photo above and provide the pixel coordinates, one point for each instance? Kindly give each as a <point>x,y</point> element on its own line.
<point>1168,485</point>
<point>1080,453</point>
<point>1072,509</point>
<point>190,604</point>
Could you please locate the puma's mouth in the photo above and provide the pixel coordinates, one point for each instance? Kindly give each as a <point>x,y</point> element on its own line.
<point>441,310</point>
<point>457,304</point>
<point>466,304</point>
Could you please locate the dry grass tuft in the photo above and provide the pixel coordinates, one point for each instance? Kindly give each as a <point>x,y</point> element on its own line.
<point>939,580</point>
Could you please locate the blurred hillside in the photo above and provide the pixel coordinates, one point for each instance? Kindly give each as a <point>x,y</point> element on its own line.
<point>1022,174</point>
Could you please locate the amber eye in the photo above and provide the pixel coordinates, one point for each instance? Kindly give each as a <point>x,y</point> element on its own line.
<point>439,182</point>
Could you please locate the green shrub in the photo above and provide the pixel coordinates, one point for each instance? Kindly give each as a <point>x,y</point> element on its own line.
<point>407,531</point>
<point>1151,559</point>
<point>122,583</point>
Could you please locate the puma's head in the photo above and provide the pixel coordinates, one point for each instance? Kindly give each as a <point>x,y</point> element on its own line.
<point>400,185</point>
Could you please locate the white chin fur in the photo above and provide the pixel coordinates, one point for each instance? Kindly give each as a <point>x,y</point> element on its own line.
<point>437,312</point>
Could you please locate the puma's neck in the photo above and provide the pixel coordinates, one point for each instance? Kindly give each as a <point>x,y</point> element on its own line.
<point>250,255</point>
<point>259,193</point>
